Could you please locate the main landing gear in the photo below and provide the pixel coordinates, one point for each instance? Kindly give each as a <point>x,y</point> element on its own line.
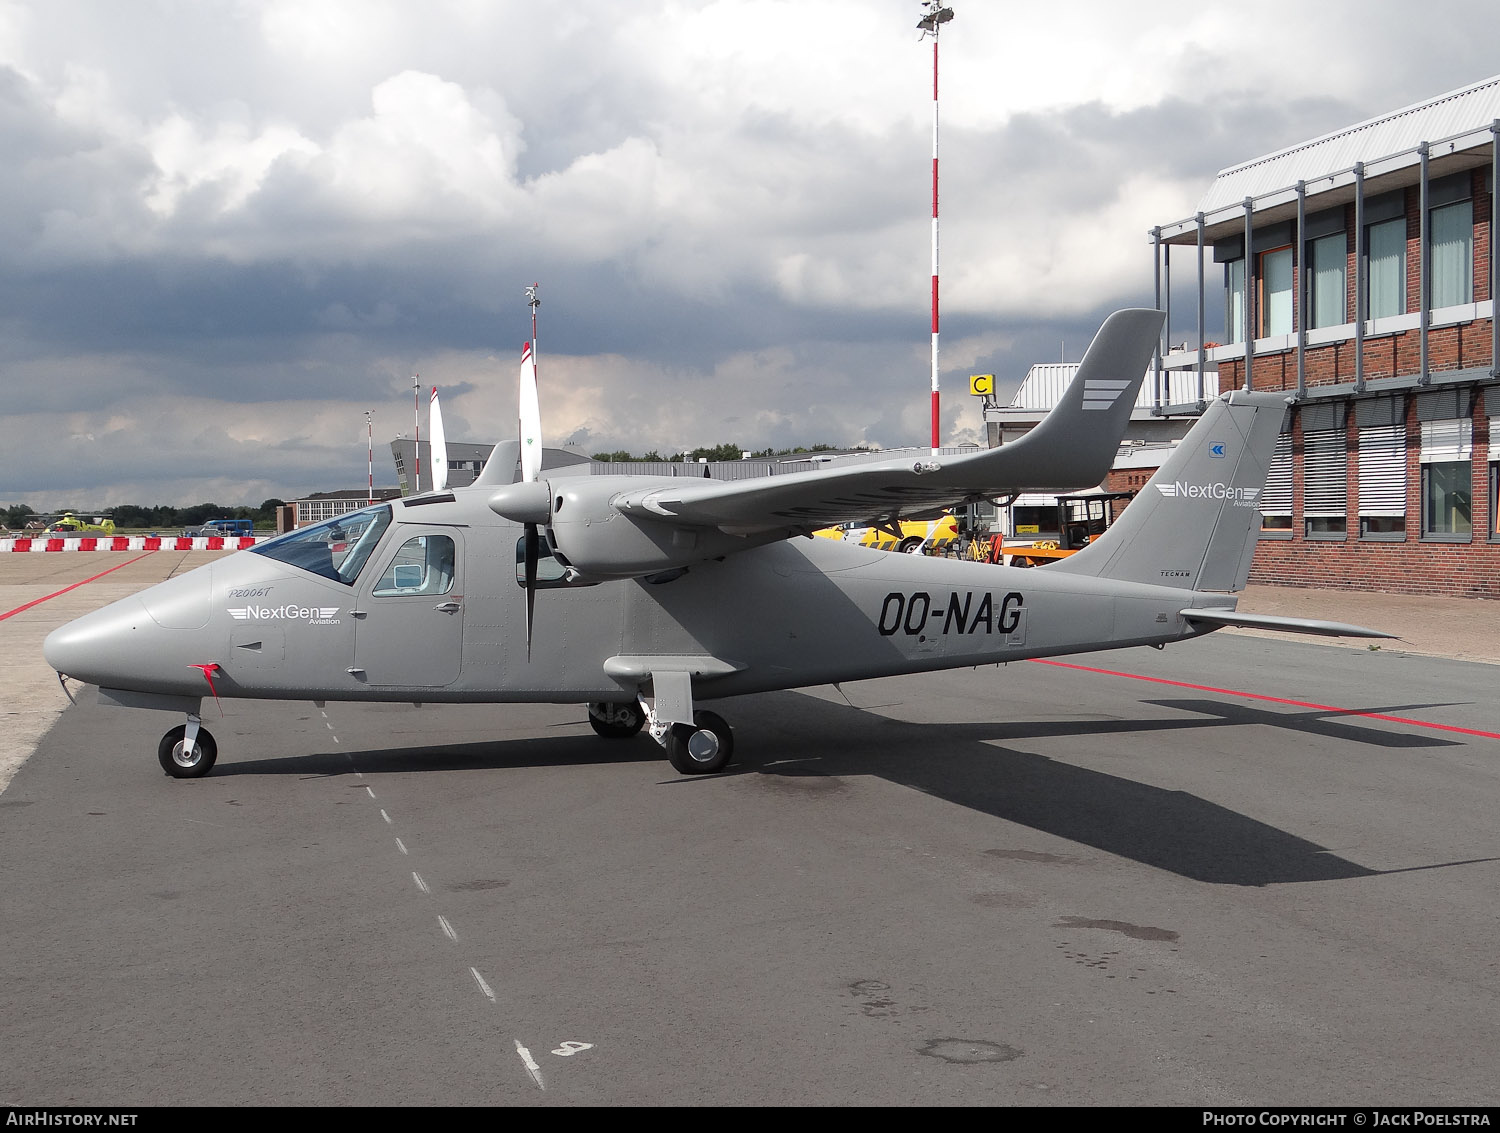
<point>617,719</point>
<point>187,751</point>
<point>700,748</point>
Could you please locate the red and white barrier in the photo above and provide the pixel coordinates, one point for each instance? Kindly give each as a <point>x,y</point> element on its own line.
<point>129,543</point>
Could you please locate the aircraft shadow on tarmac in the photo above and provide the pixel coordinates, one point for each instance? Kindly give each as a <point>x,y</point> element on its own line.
<point>790,734</point>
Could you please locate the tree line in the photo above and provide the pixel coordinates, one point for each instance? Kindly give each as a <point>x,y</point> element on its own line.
<point>161,516</point>
<point>718,452</point>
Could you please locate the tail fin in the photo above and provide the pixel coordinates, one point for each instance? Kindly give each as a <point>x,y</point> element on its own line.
<point>503,466</point>
<point>1075,443</point>
<point>1195,523</point>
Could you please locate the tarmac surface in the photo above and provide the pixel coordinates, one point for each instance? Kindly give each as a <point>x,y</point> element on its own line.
<point>1239,871</point>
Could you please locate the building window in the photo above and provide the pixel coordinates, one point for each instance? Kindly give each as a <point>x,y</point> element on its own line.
<point>1275,297</point>
<point>1325,484</point>
<point>1447,480</point>
<point>1329,256</point>
<point>1386,278</point>
<point>1494,494</point>
<point>1276,498</point>
<point>1382,482</point>
<point>1451,233</point>
<point>1495,478</point>
<point>1234,317</point>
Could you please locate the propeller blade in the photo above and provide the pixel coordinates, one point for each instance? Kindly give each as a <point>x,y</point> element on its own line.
<point>531,466</point>
<point>439,444</point>
<point>533,551</point>
<point>531,418</point>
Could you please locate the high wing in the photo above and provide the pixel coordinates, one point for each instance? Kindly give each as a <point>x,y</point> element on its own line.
<point>603,527</point>
<point>1073,447</point>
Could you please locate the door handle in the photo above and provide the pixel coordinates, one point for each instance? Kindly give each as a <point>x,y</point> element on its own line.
<point>448,607</point>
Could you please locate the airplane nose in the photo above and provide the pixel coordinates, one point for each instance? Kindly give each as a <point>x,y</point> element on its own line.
<point>103,647</point>
<point>145,643</point>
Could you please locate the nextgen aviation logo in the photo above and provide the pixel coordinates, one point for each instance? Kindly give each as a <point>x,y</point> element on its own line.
<point>1238,497</point>
<point>312,615</point>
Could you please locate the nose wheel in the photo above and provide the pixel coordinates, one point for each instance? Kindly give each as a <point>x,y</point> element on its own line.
<point>187,757</point>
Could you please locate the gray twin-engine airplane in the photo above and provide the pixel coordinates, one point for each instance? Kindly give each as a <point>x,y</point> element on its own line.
<point>641,595</point>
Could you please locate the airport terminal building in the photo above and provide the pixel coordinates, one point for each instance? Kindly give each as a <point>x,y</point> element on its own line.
<point>1353,271</point>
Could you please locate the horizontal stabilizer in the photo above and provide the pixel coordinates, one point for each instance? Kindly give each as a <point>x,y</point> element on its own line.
<point>1217,618</point>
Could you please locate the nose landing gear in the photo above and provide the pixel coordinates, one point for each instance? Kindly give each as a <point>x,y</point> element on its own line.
<point>187,751</point>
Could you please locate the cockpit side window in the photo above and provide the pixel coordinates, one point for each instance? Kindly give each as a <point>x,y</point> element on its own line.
<point>423,565</point>
<point>336,549</point>
<point>549,572</point>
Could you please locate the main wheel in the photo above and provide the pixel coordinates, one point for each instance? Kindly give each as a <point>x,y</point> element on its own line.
<point>616,720</point>
<point>701,748</point>
<point>181,764</point>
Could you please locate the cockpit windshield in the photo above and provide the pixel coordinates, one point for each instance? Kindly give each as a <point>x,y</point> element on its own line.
<point>336,549</point>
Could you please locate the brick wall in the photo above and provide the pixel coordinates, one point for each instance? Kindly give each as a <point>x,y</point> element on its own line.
<point>1413,566</point>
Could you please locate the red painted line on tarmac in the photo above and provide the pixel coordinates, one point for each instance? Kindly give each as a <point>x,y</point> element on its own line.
<point>75,586</point>
<point>1273,699</point>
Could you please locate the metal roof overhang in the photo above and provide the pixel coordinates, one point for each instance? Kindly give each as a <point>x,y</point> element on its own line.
<point>1401,383</point>
<point>1394,171</point>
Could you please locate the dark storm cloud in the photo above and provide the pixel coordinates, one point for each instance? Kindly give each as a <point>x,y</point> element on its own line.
<point>231,228</point>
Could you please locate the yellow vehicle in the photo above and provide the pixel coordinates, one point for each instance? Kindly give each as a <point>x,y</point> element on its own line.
<point>70,524</point>
<point>918,537</point>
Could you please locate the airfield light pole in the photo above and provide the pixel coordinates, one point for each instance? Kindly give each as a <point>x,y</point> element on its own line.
<point>936,15</point>
<point>416,416</point>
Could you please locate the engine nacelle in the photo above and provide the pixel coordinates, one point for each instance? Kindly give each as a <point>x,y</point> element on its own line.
<point>599,542</point>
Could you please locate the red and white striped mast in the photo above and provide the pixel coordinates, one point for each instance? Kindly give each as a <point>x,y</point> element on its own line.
<point>416,417</point>
<point>937,14</point>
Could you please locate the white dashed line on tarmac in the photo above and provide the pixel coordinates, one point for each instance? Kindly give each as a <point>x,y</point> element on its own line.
<point>531,1067</point>
<point>451,933</point>
<point>484,987</point>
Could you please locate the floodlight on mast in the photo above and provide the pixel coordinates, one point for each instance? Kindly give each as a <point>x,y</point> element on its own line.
<point>416,416</point>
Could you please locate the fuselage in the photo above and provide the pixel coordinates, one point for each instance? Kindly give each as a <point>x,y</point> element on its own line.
<point>434,611</point>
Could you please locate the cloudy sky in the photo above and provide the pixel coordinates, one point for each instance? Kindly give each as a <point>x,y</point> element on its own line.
<point>231,227</point>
